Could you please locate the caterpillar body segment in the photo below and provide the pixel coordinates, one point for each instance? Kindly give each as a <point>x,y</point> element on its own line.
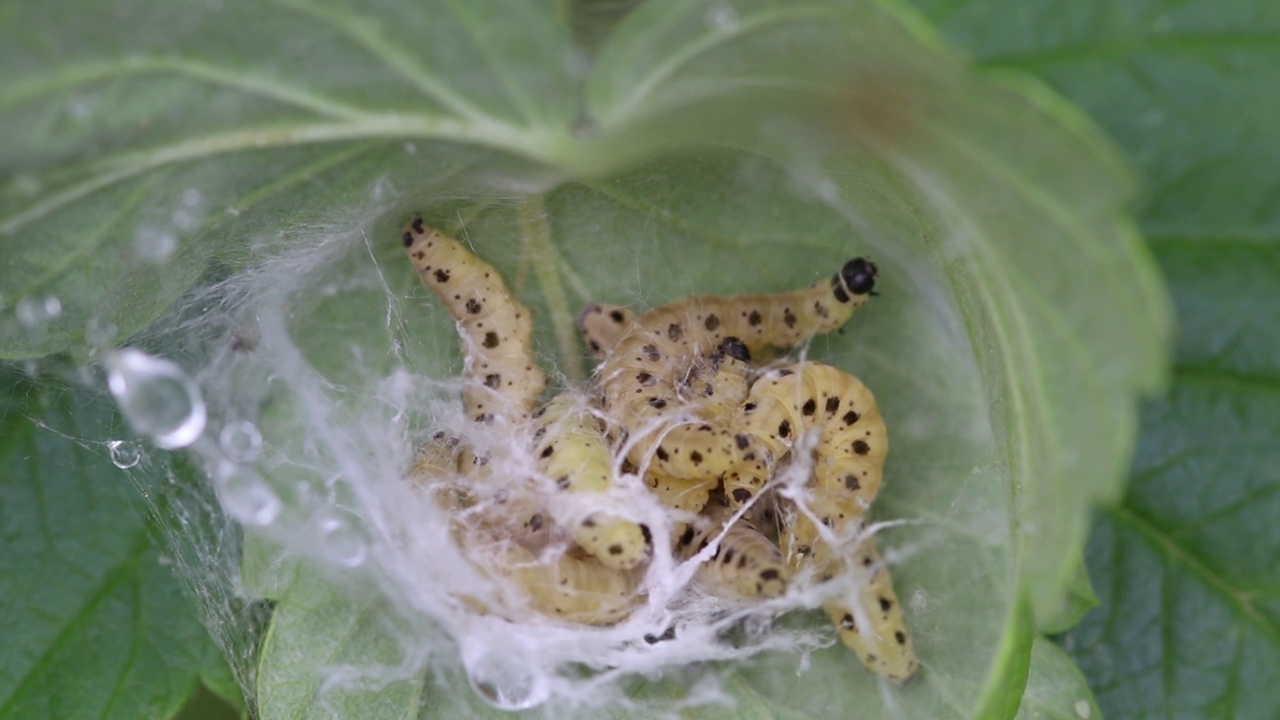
<point>572,451</point>
<point>746,565</point>
<point>685,495</point>
<point>852,442</point>
<point>502,376</point>
<point>869,619</point>
<point>574,588</point>
<point>676,407</point>
<point>602,325</point>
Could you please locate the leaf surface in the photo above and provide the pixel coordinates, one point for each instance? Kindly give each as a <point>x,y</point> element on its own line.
<point>1185,566</point>
<point>94,621</point>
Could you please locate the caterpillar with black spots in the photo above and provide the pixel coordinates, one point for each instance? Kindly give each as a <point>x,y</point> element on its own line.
<point>652,374</point>
<point>595,583</point>
<point>848,469</point>
<point>502,377</point>
<point>572,452</point>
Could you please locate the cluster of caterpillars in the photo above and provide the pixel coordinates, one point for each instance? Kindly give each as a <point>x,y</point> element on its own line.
<point>677,401</point>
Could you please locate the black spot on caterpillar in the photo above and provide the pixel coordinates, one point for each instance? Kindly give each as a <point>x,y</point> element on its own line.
<point>503,379</point>
<point>671,352</point>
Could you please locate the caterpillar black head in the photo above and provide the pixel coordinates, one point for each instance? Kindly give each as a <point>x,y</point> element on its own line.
<point>858,275</point>
<point>734,348</point>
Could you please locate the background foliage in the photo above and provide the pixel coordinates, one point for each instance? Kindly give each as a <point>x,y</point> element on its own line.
<point>1184,567</point>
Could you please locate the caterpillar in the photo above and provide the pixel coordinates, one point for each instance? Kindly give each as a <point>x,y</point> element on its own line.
<point>572,451</point>
<point>502,377</point>
<point>746,564</point>
<point>641,375</point>
<point>869,620</point>
<point>574,588</point>
<point>849,456</point>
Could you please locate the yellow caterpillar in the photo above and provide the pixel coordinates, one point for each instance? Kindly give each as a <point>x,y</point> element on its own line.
<point>572,451</point>
<point>653,372</point>
<point>848,457</point>
<point>572,586</point>
<point>502,377</point>
<point>869,620</point>
<point>504,381</point>
<point>852,441</point>
<point>575,588</point>
<point>746,565</point>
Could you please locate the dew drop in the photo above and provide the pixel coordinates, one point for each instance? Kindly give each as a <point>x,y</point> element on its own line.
<point>1083,709</point>
<point>157,398</point>
<point>721,16</point>
<point>383,189</point>
<point>507,680</point>
<point>35,314</point>
<point>241,441</point>
<point>154,245</point>
<point>100,333</point>
<point>341,542</point>
<point>124,454</point>
<point>246,496</point>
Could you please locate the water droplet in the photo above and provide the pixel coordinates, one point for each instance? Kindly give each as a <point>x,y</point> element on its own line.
<point>81,107</point>
<point>153,244</point>
<point>246,496</point>
<point>185,219</point>
<point>35,314</point>
<point>721,16</point>
<point>191,197</point>
<point>410,148</point>
<point>124,454</point>
<point>383,189</point>
<point>507,680</point>
<point>100,333</point>
<point>341,542</point>
<point>1083,709</point>
<point>241,441</point>
<point>157,398</point>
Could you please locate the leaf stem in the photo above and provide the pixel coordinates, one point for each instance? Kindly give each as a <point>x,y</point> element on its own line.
<point>535,233</point>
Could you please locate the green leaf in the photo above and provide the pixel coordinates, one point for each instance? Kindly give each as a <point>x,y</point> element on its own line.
<point>94,622</point>
<point>150,151</point>
<point>1186,565</point>
<point>711,148</point>
<point>1187,89</point>
<point>335,652</point>
<point>1056,690</point>
<point>1190,621</point>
